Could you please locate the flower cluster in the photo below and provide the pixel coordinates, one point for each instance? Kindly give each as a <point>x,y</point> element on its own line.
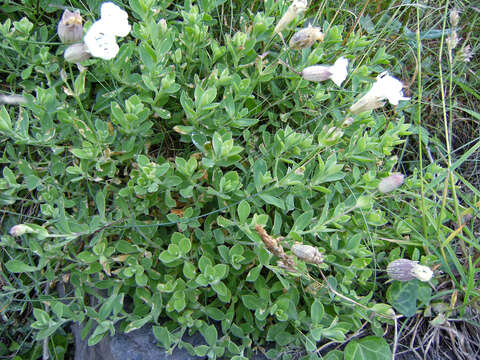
<point>385,88</point>
<point>100,39</point>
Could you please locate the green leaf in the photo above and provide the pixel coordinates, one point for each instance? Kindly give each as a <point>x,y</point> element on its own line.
<point>137,324</point>
<point>79,84</point>
<point>147,55</point>
<point>221,271</point>
<point>251,302</point>
<point>44,333</point>
<point>243,211</point>
<point>220,288</point>
<point>272,200</point>
<point>303,221</point>
<point>210,334</point>
<point>403,297</point>
<point>17,266</point>
<point>317,311</point>
<point>125,247</point>
<point>98,334</point>
<point>206,98</point>
<point>5,122</point>
<point>41,316</point>
<point>368,348</point>
<point>214,313</point>
<point>100,202</point>
<point>201,350</point>
<point>141,279</point>
<point>185,245</point>
<point>189,270</point>
<point>166,257</point>
<point>163,335</point>
<point>253,273</point>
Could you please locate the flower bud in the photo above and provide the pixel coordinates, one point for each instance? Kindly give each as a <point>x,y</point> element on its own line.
<point>307,253</point>
<point>390,183</point>
<point>20,229</point>
<point>406,270</point>
<point>70,28</point>
<point>305,38</point>
<point>347,122</point>
<point>76,53</point>
<point>163,25</point>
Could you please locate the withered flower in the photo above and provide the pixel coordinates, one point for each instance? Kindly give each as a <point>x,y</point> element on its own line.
<point>297,7</point>
<point>70,28</point>
<point>306,37</point>
<point>273,244</point>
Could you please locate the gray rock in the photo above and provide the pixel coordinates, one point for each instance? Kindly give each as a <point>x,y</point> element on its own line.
<point>139,344</point>
<point>136,345</point>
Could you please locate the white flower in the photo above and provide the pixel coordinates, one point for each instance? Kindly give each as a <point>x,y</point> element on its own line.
<point>101,37</point>
<point>385,88</point>
<point>388,87</point>
<point>296,8</point>
<point>336,72</point>
<point>100,42</point>
<point>116,18</point>
<point>422,273</point>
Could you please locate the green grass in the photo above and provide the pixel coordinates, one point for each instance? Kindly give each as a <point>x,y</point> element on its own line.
<point>143,178</point>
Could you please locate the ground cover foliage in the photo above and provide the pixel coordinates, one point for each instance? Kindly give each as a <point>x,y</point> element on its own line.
<point>143,178</point>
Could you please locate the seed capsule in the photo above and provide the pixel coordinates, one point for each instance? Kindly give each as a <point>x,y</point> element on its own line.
<point>405,270</point>
<point>305,38</point>
<point>307,253</point>
<point>76,53</point>
<point>316,73</point>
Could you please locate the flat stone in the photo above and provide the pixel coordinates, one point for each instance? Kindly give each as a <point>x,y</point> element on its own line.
<point>139,344</point>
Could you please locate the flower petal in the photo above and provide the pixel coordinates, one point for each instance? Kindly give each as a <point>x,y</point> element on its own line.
<point>100,41</point>
<point>388,87</point>
<point>339,71</point>
<point>116,18</point>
